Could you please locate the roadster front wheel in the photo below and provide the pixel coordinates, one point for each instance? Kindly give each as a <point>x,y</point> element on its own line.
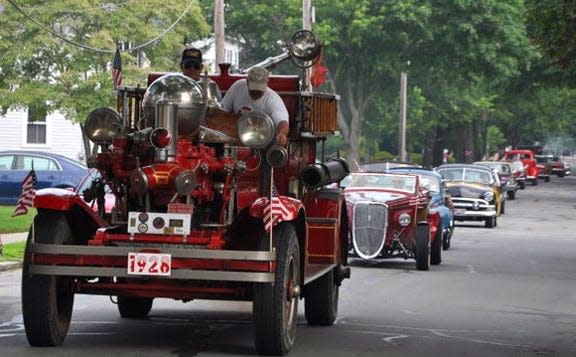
<point>422,237</point>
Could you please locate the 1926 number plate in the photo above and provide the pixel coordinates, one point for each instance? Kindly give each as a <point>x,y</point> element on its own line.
<point>154,264</point>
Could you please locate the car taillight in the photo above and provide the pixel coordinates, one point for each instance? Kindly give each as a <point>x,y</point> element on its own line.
<point>160,138</point>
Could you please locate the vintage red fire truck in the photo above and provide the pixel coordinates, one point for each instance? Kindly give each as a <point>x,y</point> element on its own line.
<point>205,207</point>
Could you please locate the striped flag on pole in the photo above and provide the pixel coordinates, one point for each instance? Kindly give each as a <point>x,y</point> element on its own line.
<point>275,212</point>
<point>26,199</point>
<point>117,69</point>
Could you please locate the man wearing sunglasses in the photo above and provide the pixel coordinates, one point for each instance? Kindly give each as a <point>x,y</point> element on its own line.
<point>192,66</point>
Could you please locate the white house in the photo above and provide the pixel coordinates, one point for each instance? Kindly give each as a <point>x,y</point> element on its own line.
<point>55,134</point>
<point>231,53</point>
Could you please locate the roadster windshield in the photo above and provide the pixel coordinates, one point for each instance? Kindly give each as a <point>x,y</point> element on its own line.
<point>397,182</point>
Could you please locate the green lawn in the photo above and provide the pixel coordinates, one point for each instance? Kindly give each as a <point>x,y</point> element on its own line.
<point>13,252</point>
<point>9,224</point>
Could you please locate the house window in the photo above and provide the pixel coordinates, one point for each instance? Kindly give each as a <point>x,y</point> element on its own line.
<point>36,128</point>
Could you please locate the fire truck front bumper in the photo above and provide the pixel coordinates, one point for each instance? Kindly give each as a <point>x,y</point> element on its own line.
<point>161,263</point>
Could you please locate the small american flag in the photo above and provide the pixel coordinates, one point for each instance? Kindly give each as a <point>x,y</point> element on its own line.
<point>275,212</point>
<point>117,69</point>
<point>26,199</point>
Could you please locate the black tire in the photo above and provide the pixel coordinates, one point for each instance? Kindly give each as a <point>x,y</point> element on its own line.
<point>511,195</point>
<point>547,178</point>
<point>490,222</point>
<point>422,253</point>
<point>436,248</point>
<point>134,307</point>
<point>561,174</point>
<point>446,241</point>
<point>522,185</point>
<point>47,301</point>
<point>535,182</point>
<point>275,306</point>
<point>321,300</point>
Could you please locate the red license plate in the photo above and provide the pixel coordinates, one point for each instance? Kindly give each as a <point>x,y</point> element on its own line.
<point>154,264</point>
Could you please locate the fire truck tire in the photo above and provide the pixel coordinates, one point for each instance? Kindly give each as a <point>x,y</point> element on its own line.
<point>133,307</point>
<point>436,247</point>
<point>47,301</point>
<point>275,306</point>
<point>321,300</point>
<point>422,247</point>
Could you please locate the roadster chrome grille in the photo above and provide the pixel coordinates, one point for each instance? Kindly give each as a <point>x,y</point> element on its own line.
<point>369,228</point>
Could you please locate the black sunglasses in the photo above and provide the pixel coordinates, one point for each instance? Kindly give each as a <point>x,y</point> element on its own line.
<point>190,64</point>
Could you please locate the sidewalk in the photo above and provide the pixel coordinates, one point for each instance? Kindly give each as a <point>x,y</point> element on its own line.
<point>12,238</point>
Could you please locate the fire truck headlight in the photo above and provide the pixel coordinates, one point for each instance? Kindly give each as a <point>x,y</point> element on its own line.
<point>102,124</point>
<point>160,138</point>
<point>255,129</point>
<point>304,46</point>
<point>185,182</point>
<point>404,219</point>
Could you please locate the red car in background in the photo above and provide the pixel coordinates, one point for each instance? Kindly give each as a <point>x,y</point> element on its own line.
<point>559,167</point>
<point>528,160</point>
<point>544,163</point>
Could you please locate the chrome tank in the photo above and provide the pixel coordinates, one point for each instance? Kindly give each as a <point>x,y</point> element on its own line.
<point>181,90</point>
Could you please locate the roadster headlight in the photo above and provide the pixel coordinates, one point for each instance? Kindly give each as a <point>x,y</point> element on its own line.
<point>255,129</point>
<point>489,196</point>
<point>404,219</point>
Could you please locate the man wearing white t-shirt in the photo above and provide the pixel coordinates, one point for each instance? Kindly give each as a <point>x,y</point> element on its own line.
<point>253,93</point>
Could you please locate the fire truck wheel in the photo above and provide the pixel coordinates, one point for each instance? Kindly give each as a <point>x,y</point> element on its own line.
<point>321,300</point>
<point>436,248</point>
<point>422,247</point>
<point>133,307</point>
<point>47,301</point>
<point>275,306</point>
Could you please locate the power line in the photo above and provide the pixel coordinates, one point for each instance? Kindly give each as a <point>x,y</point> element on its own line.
<point>102,50</point>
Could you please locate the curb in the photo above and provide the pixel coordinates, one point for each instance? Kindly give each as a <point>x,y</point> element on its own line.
<point>6,266</point>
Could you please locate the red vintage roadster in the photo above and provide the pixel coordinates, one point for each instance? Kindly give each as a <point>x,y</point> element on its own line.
<point>389,218</point>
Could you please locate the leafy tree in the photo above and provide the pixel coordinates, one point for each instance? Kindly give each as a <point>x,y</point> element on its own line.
<point>65,48</point>
<point>552,24</point>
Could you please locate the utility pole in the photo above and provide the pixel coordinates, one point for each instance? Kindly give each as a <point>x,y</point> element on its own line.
<point>307,19</point>
<point>402,126</point>
<point>219,43</point>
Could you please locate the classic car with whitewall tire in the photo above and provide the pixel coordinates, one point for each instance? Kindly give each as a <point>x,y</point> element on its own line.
<point>475,192</point>
<point>389,217</point>
<point>440,199</point>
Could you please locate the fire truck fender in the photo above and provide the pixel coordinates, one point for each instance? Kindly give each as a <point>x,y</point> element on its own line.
<point>294,212</point>
<point>286,207</point>
<point>83,220</point>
